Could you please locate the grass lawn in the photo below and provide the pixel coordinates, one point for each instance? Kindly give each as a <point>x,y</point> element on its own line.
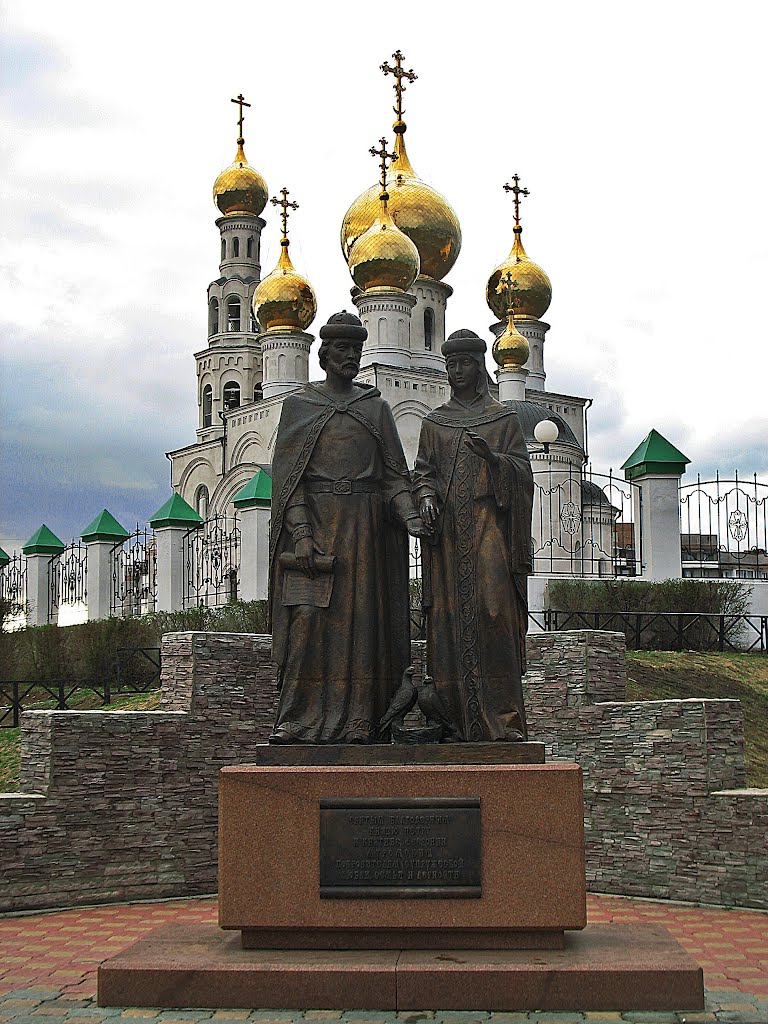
<point>665,675</point>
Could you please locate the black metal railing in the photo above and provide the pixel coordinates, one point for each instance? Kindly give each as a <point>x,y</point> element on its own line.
<point>724,528</point>
<point>666,631</point>
<point>13,589</point>
<point>212,562</point>
<point>133,574</point>
<point>585,523</point>
<point>67,577</point>
<point>133,670</point>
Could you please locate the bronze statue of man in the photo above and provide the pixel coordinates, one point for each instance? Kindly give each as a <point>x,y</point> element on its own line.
<point>474,486</point>
<point>339,552</point>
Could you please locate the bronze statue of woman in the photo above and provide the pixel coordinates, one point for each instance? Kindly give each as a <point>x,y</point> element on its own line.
<point>474,486</point>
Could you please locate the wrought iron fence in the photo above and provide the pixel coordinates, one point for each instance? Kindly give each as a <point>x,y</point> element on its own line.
<point>667,631</point>
<point>133,574</point>
<point>13,587</point>
<point>67,577</point>
<point>724,528</point>
<point>212,562</point>
<point>416,589</point>
<point>585,523</point>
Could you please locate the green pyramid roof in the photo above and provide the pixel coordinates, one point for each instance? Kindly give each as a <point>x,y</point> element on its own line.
<point>655,454</point>
<point>257,492</point>
<point>43,542</point>
<point>175,512</point>
<point>104,527</point>
<point>4,557</point>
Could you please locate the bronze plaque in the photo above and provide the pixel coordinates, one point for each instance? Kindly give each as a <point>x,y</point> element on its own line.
<point>401,848</point>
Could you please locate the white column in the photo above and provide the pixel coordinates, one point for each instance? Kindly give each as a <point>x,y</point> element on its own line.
<point>511,385</point>
<point>254,551</point>
<point>170,567</point>
<point>285,360</point>
<point>432,295</point>
<point>656,505</point>
<point>99,577</point>
<point>387,317</point>
<point>37,591</point>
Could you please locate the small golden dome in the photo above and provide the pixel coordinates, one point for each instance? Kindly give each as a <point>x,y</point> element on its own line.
<point>511,349</point>
<point>419,211</point>
<point>533,289</point>
<point>284,300</point>
<point>384,256</point>
<point>240,188</point>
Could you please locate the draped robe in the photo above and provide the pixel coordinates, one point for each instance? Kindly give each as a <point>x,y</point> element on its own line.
<point>340,665</point>
<point>477,610</point>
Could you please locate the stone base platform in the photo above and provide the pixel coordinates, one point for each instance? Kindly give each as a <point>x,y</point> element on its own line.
<point>605,967</point>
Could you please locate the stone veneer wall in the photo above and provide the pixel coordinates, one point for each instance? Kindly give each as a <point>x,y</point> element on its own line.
<point>122,805</point>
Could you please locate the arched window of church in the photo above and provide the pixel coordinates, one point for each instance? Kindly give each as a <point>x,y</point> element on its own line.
<point>201,501</point>
<point>207,405</point>
<point>233,314</point>
<point>254,323</point>
<point>231,396</point>
<point>258,394</point>
<point>223,249</point>
<point>213,317</point>
<point>249,247</point>
<point>236,247</point>
<point>429,329</point>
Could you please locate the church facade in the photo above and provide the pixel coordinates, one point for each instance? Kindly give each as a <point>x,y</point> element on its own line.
<point>400,239</point>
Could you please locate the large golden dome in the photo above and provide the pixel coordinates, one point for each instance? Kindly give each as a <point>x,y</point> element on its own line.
<point>284,300</point>
<point>533,289</point>
<point>240,188</point>
<point>419,211</point>
<point>383,256</point>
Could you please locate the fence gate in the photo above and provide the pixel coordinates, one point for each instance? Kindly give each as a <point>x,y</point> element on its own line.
<point>212,562</point>
<point>133,574</point>
<point>67,578</point>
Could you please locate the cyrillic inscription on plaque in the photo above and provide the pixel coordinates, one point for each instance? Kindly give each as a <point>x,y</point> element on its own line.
<point>400,848</point>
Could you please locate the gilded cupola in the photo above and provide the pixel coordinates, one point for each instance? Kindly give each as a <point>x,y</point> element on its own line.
<point>383,257</point>
<point>284,300</point>
<point>532,287</point>
<point>416,208</point>
<point>240,188</point>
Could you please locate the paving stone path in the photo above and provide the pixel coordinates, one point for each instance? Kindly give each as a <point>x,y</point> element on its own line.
<point>48,967</point>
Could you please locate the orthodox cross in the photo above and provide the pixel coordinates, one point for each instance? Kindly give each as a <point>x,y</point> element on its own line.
<point>517,193</point>
<point>384,155</point>
<point>508,286</point>
<point>399,74</point>
<point>285,205</point>
<point>240,101</point>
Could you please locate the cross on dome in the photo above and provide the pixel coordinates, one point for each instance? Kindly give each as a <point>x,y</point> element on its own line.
<point>384,155</point>
<point>286,204</point>
<point>517,193</point>
<point>399,73</point>
<point>240,101</point>
<point>508,286</point>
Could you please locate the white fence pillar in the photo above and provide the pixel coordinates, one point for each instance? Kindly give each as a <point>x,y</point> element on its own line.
<point>39,549</point>
<point>656,467</point>
<point>171,523</point>
<point>254,505</point>
<point>100,537</point>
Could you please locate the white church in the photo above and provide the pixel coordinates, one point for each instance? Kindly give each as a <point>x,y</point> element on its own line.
<point>399,250</point>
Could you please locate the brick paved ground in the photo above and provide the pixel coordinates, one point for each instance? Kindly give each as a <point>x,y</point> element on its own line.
<point>48,967</point>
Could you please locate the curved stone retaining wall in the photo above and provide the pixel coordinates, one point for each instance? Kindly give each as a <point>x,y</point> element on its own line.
<point>122,805</point>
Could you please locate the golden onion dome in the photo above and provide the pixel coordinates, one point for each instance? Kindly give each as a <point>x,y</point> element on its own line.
<point>511,349</point>
<point>284,300</point>
<point>419,211</point>
<point>240,188</point>
<point>533,289</point>
<point>384,256</point>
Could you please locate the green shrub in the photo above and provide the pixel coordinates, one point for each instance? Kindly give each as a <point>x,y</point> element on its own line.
<point>705,597</point>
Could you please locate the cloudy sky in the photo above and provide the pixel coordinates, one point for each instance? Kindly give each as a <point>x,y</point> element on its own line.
<point>639,129</point>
